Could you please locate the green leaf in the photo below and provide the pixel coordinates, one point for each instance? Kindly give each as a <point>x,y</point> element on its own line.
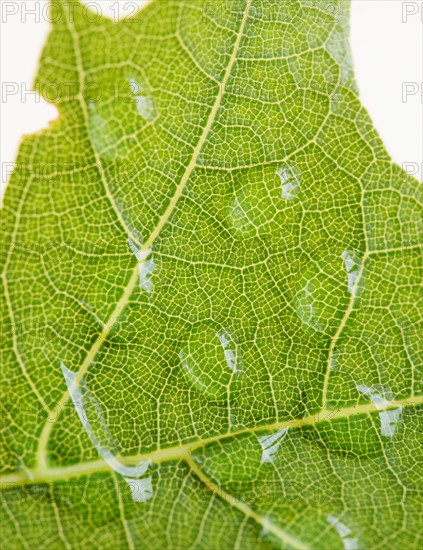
<point>211,306</point>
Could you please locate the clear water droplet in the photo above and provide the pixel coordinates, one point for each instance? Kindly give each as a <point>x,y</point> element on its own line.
<point>144,103</point>
<point>270,444</point>
<point>86,304</point>
<point>321,298</point>
<point>91,415</point>
<point>139,254</point>
<point>229,352</point>
<point>146,266</point>
<point>100,130</point>
<point>210,359</point>
<point>141,489</point>
<point>305,307</point>
<point>238,218</point>
<point>146,270</point>
<point>382,399</point>
<point>376,396</point>
<point>334,360</point>
<point>389,421</point>
<point>350,542</point>
<point>358,435</point>
<point>290,177</point>
<point>352,265</point>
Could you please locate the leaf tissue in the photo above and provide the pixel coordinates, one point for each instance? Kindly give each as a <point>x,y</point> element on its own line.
<point>211,291</point>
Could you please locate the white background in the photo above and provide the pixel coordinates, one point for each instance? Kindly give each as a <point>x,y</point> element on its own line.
<point>387,45</point>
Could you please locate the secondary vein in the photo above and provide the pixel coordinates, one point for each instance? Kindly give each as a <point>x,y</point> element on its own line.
<point>45,434</point>
<point>44,475</point>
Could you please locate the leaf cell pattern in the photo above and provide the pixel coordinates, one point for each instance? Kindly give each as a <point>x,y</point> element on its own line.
<point>211,301</point>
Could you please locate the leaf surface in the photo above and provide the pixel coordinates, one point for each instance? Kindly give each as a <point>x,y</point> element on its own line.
<point>211,305</point>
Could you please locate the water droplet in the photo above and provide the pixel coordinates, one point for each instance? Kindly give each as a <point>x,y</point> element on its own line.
<point>141,489</point>
<point>290,177</point>
<point>305,307</point>
<point>334,359</point>
<point>321,298</point>
<point>145,104</point>
<point>353,437</point>
<point>270,444</point>
<point>380,402</point>
<point>255,13</point>
<point>100,130</point>
<point>139,254</point>
<point>92,419</point>
<point>239,219</point>
<point>229,353</point>
<point>352,265</point>
<point>146,270</point>
<point>145,107</point>
<point>350,542</point>
<point>87,305</point>
<point>210,359</point>
<point>390,419</point>
<point>146,266</point>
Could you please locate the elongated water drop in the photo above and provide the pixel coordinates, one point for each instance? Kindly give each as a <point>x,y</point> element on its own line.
<point>146,266</point>
<point>290,177</point>
<point>141,489</point>
<point>349,541</point>
<point>92,419</point>
<point>389,419</point>
<point>271,443</point>
<point>209,360</point>
<point>239,218</point>
<point>353,268</point>
<point>144,102</point>
<point>322,296</point>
